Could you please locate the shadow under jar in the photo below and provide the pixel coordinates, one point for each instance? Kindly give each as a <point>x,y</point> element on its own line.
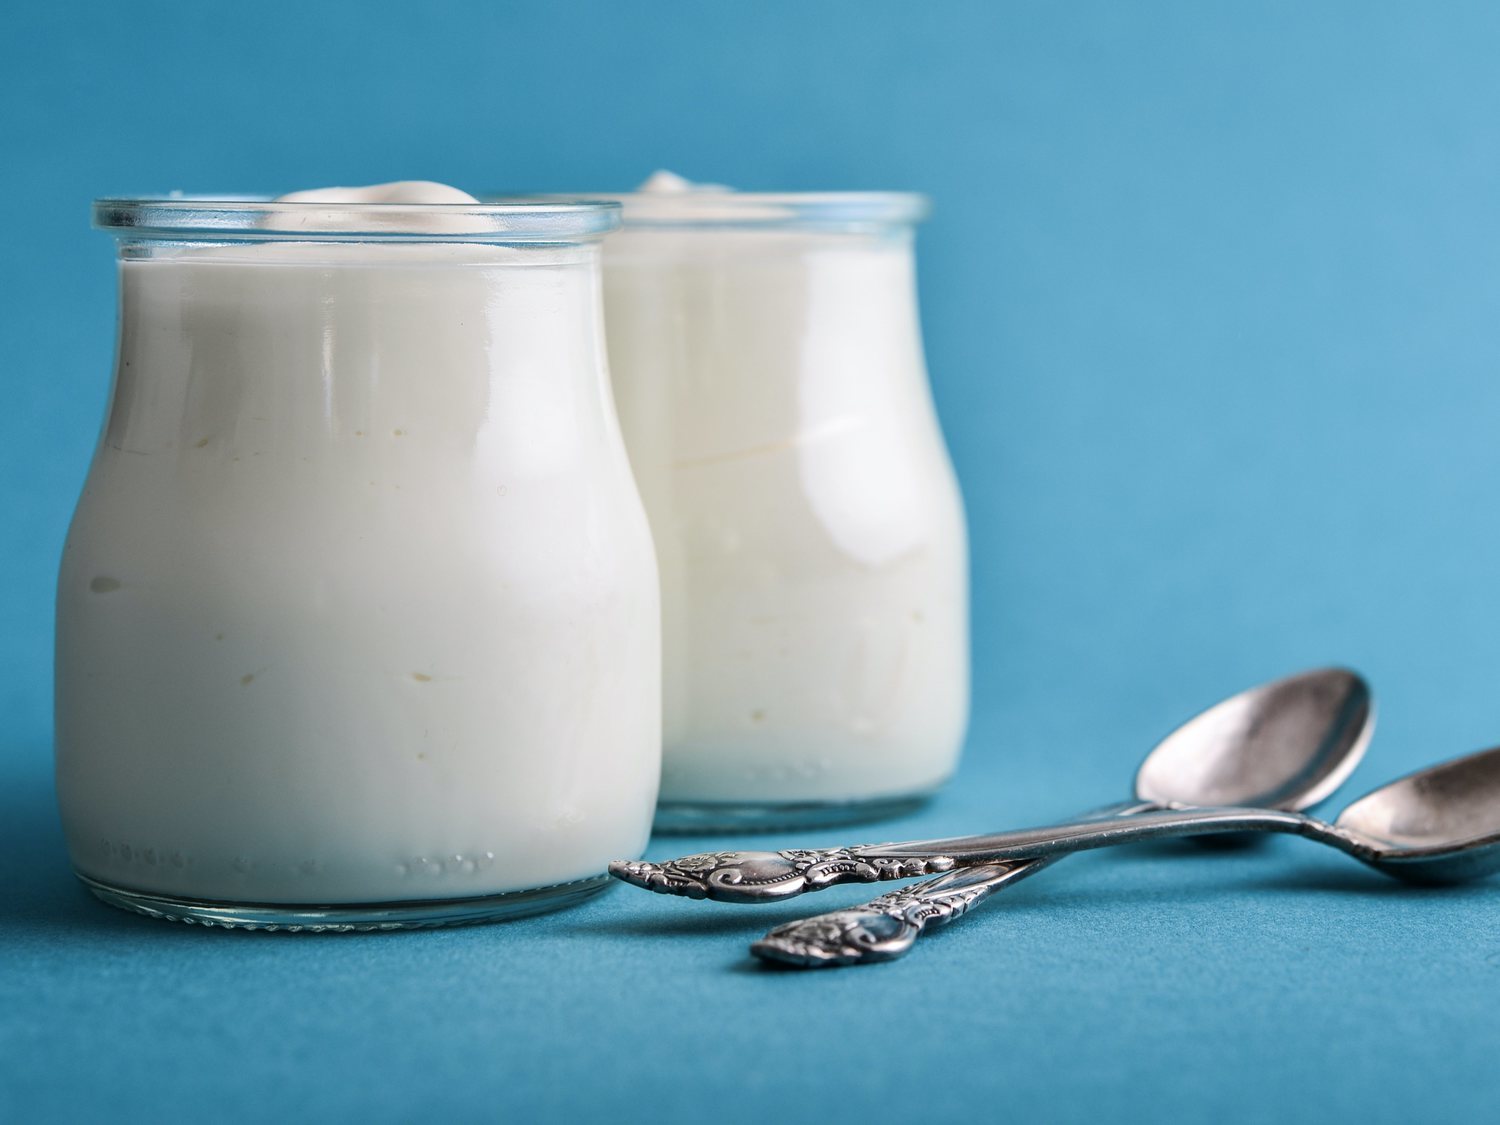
<point>358,620</point>
<point>767,365</point>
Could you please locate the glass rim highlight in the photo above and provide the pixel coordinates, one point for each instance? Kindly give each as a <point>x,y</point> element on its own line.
<point>813,210</point>
<point>182,218</point>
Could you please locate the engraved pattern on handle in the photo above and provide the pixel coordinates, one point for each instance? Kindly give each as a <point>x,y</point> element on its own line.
<point>885,928</point>
<point>749,877</point>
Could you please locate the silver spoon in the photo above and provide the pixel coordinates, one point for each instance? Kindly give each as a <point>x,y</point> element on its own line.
<point>1291,741</point>
<point>1283,745</point>
<point>1438,825</point>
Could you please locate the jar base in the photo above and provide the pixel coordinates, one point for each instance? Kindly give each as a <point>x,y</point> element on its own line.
<point>349,917</point>
<point>685,818</point>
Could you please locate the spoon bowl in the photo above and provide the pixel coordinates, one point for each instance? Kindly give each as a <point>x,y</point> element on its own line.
<point>1438,825</point>
<point>1287,744</point>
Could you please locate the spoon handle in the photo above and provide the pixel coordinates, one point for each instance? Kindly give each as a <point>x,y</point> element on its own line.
<point>886,927</point>
<point>753,877</point>
<point>1082,835</point>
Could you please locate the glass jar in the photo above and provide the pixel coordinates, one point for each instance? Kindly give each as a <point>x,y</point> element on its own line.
<point>358,620</point>
<point>768,369</point>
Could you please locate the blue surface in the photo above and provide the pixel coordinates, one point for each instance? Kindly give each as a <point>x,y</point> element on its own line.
<point>1211,297</point>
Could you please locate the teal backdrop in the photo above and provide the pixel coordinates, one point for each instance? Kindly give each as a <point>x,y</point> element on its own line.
<point>1210,294</point>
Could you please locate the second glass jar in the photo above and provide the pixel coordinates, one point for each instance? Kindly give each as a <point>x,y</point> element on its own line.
<point>768,371</point>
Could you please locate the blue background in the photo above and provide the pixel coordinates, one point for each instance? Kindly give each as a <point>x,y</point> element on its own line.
<point>1211,299</point>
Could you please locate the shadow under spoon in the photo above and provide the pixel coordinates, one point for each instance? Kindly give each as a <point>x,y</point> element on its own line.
<point>1285,745</point>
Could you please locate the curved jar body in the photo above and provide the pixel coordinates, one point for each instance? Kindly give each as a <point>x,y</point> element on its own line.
<point>768,370</point>
<point>359,604</point>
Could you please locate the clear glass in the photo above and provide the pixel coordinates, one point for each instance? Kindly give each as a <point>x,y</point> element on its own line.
<point>768,369</point>
<point>358,622</point>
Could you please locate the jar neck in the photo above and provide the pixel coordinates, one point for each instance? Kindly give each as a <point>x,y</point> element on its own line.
<point>748,244</point>
<point>418,339</point>
<point>721,348</point>
<point>781,291</point>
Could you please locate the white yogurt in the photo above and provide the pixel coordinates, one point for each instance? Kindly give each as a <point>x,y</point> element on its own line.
<point>359,603</point>
<point>768,370</point>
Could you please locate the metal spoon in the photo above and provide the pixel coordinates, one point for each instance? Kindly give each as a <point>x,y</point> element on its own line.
<point>1438,825</point>
<point>1289,742</point>
<point>1230,754</point>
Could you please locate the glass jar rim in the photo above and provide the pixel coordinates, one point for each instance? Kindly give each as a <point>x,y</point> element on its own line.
<point>806,210</point>
<point>224,218</point>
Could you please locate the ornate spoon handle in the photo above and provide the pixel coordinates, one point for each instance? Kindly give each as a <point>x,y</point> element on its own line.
<point>751,877</point>
<point>885,928</point>
<point>771,876</point>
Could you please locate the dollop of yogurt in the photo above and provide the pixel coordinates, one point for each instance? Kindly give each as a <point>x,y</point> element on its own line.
<point>399,191</point>
<point>663,182</point>
<point>416,193</point>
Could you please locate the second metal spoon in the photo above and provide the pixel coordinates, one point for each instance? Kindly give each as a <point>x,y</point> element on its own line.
<point>1286,745</point>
